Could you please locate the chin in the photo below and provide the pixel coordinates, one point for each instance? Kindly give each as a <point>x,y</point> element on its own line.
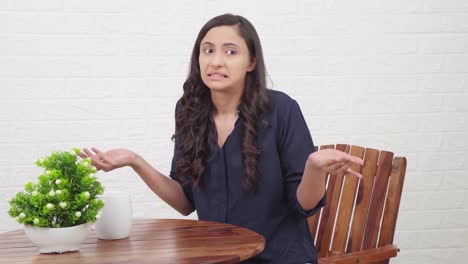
<point>217,87</point>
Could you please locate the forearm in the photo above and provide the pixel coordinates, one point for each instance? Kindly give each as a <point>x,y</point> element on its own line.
<point>166,188</point>
<point>312,187</point>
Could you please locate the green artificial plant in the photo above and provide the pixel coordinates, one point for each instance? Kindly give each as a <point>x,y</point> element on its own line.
<point>64,196</point>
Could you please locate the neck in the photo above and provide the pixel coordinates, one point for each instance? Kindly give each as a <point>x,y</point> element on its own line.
<point>226,103</point>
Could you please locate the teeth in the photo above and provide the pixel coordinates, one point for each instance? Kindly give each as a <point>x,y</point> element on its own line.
<point>217,75</point>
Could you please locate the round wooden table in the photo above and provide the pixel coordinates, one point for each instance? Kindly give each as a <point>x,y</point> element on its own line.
<point>151,241</point>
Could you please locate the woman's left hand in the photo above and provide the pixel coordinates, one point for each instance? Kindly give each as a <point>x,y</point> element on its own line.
<point>334,161</point>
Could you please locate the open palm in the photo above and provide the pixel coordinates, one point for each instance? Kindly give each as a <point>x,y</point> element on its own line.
<point>109,160</point>
<point>334,162</point>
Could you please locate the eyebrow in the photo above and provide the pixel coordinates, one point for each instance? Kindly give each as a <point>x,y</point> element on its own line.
<point>224,44</point>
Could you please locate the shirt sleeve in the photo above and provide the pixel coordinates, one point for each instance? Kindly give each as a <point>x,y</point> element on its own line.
<point>186,186</point>
<point>295,146</point>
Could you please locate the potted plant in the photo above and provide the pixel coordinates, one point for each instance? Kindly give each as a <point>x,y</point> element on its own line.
<point>58,210</point>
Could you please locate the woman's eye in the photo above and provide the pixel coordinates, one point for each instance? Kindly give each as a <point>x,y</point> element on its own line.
<point>207,51</point>
<point>231,52</point>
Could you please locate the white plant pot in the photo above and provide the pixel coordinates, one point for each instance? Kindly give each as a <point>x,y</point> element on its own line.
<point>58,240</point>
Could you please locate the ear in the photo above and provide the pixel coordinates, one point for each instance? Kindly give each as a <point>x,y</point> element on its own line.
<point>252,64</point>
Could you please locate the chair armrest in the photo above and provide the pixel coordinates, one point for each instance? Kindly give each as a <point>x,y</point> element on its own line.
<point>364,256</point>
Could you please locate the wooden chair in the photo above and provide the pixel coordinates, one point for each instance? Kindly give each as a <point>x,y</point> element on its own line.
<point>358,222</point>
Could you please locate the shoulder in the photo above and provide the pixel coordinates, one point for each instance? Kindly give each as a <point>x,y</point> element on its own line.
<point>280,102</point>
<point>282,110</point>
<point>279,97</point>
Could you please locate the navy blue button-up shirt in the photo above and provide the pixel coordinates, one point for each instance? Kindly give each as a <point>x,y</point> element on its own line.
<point>273,210</point>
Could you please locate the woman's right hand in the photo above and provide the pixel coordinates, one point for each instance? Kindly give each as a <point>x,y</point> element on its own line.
<point>109,160</point>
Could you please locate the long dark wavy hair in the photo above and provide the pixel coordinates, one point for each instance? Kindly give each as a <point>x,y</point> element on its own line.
<point>193,128</point>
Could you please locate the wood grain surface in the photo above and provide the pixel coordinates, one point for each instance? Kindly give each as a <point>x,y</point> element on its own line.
<point>150,241</point>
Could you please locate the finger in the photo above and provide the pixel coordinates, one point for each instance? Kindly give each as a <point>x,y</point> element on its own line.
<point>350,158</point>
<point>90,155</point>
<point>93,155</point>
<point>332,169</point>
<point>332,161</point>
<point>335,166</point>
<point>351,172</point>
<point>357,160</point>
<point>82,155</point>
<point>339,158</point>
<point>335,156</point>
<point>99,153</point>
<point>94,159</point>
<point>343,168</point>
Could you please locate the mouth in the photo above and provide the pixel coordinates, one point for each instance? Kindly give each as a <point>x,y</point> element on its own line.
<point>217,76</point>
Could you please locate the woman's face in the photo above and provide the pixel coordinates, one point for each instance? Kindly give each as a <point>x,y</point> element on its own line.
<point>224,59</point>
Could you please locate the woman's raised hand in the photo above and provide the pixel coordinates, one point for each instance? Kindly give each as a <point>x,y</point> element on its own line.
<point>109,160</point>
<point>334,162</point>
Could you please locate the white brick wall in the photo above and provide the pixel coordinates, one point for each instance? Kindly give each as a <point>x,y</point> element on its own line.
<point>385,74</point>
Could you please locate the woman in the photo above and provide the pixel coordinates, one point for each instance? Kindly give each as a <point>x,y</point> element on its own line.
<point>243,154</point>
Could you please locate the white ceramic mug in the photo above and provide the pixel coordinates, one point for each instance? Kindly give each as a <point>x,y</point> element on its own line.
<point>116,216</point>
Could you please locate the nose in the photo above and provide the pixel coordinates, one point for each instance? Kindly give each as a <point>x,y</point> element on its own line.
<point>217,59</point>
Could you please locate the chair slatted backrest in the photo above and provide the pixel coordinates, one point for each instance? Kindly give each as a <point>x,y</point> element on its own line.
<point>360,214</point>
